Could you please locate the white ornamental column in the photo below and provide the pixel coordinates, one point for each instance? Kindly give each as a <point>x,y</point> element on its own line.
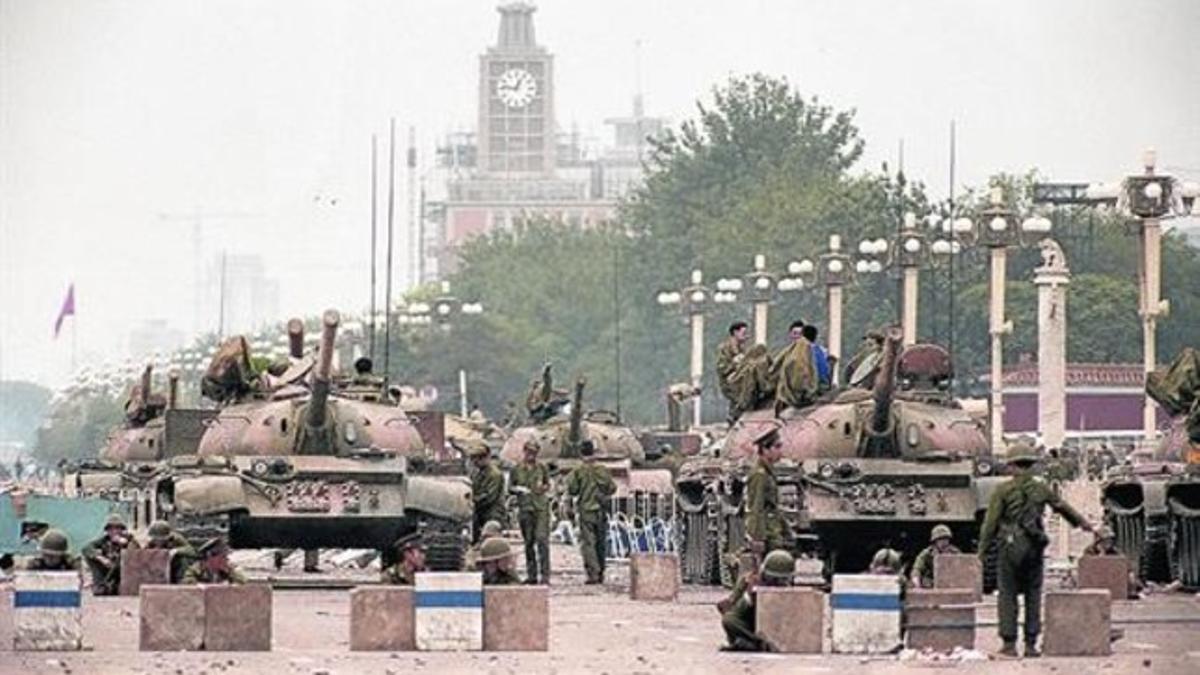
<point>1051,279</point>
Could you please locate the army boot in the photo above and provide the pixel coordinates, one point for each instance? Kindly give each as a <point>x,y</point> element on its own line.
<point>1009,650</point>
<point>1031,649</point>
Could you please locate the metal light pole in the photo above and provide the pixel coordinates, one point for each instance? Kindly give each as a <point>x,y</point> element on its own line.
<point>1146,198</point>
<point>908,252</point>
<point>762,286</point>
<point>693,300</point>
<point>834,271</point>
<point>444,310</point>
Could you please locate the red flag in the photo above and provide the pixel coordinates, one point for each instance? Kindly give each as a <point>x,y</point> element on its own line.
<point>68,309</point>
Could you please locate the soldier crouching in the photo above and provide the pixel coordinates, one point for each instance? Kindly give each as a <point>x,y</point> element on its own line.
<point>738,610</point>
<point>103,556</point>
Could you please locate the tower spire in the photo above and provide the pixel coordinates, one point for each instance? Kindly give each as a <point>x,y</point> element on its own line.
<point>516,26</point>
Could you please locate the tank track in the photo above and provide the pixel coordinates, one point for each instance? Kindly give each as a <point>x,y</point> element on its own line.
<point>445,545</point>
<point>1184,545</point>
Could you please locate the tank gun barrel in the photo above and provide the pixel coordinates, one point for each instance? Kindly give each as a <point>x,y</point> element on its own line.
<point>146,374</point>
<point>882,393</point>
<point>295,332</point>
<point>172,389</point>
<point>575,430</point>
<point>323,372</point>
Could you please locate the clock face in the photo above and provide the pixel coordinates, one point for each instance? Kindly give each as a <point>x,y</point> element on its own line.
<point>516,88</point>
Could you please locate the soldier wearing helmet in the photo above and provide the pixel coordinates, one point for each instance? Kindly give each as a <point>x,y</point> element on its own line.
<point>886,561</point>
<point>1014,523</point>
<point>103,556</point>
<point>1104,543</point>
<point>214,566</point>
<point>939,543</point>
<point>738,610</point>
<point>53,554</point>
<point>487,487</point>
<point>412,560</point>
<point>161,536</point>
<point>495,561</point>
<point>592,486</point>
<point>490,529</point>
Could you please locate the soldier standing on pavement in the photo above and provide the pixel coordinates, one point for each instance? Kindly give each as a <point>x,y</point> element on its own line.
<point>487,489</point>
<point>592,485</point>
<point>1014,522</point>
<point>214,566</point>
<point>939,543</point>
<point>766,530</point>
<point>53,555</point>
<point>738,610</point>
<point>530,482</point>
<point>495,561</point>
<point>103,556</point>
<point>412,560</point>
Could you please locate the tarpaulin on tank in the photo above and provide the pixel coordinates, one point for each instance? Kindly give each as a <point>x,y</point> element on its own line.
<point>797,376</point>
<point>1177,388</point>
<point>229,374</point>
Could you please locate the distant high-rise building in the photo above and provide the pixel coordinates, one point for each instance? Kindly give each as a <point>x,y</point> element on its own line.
<point>518,164</point>
<point>151,337</point>
<point>237,295</point>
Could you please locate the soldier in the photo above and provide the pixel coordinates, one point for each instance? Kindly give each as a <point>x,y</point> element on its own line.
<point>53,555</point>
<point>490,529</point>
<point>886,561</point>
<point>922,571</point>
<point>182,553</point>
<point>592,485</point>
<point>495,561</point>
<point>1104,542</point>
<point>103,556</point>
<point>1014,518</point>
<point>544,401</point>
<point>738,612</point>
<point>862,367</point>
<point>411,548</point>
<point>487,488</point>
<point>821,360</point>
<point>530,482</point>
<point>766,530</point>
<point>214,566</point>
<point>729,356</point>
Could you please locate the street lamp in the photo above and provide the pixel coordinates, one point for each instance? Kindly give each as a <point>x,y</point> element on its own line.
<point>693,300</point>
<point>907,252</point>
<point>997,229</point>
<point>833,269</point>
<point>444,310</point>
<point>760,286</point>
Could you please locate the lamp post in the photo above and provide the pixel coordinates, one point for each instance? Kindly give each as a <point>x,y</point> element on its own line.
<point>834,271</point>
<point>997,229</point>
<point>906,253</point>
<point>693,300</point>
<point>761,287</point>
<point>443,311</point>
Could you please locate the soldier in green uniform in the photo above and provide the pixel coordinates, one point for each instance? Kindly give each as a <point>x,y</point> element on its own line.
<point>53,555</point>
<point>530,482</point>
<point>1104,542</point>
<point>591,485</point>
<point>766,530</point>
<point>487,489</point>
<point>412,560</point>
<point>729,356</point>
<point>738,612</point>
<point>214,566</point>
<point>939,543</point>
<point>1014,522</point>
<point>495,561</point>
<point>490,529</point>
<point>103,556</point>
<point>161,536</point>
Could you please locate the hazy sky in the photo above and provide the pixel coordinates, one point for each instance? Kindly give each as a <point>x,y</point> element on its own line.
<point>119,117</point>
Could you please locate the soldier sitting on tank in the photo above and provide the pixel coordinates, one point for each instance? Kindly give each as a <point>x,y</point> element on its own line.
<point>363,377</point>
<point>141,407</point>
<point>161,536</point>
<point>490,529</point>
<point>103,556</point>
<point>496,562</point>
<point>922,570</point>
<point>411,548</point>
<point>53,554</point>
<point>793,372</point>
<point>543,400</point>
<point>1104,542</point>
<point>738,611</point>
<point>862,367</point>
<point>214,566</point>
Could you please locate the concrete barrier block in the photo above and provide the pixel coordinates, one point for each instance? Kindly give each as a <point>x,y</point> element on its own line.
<point>940,619</point>
<point>1110,572</point>
<point>866,613</point>
<point>47,611</point>
<point>171,618</point>
<point>791,620</point>
<point>1077,623</point>
<point>653,576</point>
<point>144,566</point>
<point>382,619</point>
<point>237,618</point>
<point>449,611</point>
<point>6,619</point>
<point>516,618</point>
<point>958,570</point>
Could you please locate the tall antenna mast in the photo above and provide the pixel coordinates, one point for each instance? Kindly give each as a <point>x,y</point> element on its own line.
<point>391,209</point>
<point>414,233</point>
<point>374,238</point>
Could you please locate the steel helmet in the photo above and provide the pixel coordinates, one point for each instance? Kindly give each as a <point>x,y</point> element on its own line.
<point>490,529</point>
<point>1022,453</point>
<point>1105,532</point>
<point>886,557</point>
<point>493,548</point>
<point>114,520</point>
<point>940,532</point>
<point>778,564</point>
<point>159,529</point>
<point>54,542</point>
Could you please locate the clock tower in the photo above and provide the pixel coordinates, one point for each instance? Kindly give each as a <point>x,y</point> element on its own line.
<point>516,100</point>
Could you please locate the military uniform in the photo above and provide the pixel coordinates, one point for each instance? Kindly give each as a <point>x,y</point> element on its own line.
<point>1014,521</point>
<point>592,485</point>
<point>397,575</point>
<point>764,522</point>
<point>729,357</point>
<point>103,557</point>
<point>1102,548</point>
<point>533,515</point>
<point>487,491</point>
<point>197,573</point>
<point>500,577</point>
<point>65,563</point>
<point>738,615</point>
<point>922,569</point>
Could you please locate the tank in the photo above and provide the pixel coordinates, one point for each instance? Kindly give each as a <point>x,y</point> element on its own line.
<point>643,487</point>
<point>862,469</point>
<point>1153,504</point>
<point>302,466</point>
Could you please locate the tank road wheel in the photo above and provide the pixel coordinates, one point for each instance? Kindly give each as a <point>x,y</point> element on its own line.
<point>445,545</point>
